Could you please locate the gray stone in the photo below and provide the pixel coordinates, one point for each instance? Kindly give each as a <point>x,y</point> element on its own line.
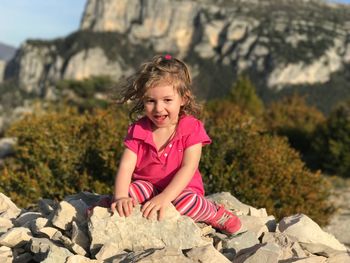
<point>7,208</point>
<point>230,202</point>
<point>340,258</point>
<point>265,253</point>
<point>290,249</point>
<point>37,224</point>
<point>309,235</point>
<point>206,254</point>
<point>238,242</point>
<point>16,237</point>
<point>80,237</point>
<point>26,217</point>
<point>88,198</point>
<point>67,212</point>
<point>258,225</point>
<point>138,233</point>
<point>46,251</point>
<point>166,255</point>
<point>46,206</point>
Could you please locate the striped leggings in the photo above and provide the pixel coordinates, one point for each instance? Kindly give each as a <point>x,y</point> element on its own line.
<point>187,203</point>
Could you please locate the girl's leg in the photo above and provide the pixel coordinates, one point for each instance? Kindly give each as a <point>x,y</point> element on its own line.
<point>200,209</point>
<point>195,206</point>
<point>142,191</point>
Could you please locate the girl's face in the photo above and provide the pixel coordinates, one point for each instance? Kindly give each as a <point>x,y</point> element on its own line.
<point>162,105</point>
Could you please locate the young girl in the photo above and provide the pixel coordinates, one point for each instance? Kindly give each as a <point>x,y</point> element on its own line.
<point>159,165</point>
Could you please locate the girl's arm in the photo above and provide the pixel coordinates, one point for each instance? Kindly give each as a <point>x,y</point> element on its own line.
<point>182,178</point>
<point>121,200</point>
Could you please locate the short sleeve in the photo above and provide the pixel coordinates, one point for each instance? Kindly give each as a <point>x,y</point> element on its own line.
<point>130,142</point>
<point>197,135</point>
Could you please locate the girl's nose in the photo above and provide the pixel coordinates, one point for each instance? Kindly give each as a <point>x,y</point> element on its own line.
<point>159,107</point>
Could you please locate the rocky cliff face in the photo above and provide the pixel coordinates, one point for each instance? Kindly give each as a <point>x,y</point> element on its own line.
<point>280,44</point>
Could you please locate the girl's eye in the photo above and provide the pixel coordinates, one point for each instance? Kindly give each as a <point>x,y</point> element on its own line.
<point>149,101</point>
<point>168,100</point>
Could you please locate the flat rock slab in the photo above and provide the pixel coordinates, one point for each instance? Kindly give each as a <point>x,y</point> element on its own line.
<point>137,233</point>
<point>310,236</point>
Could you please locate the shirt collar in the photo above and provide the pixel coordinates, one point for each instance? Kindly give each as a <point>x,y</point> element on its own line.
<point>143,128</point>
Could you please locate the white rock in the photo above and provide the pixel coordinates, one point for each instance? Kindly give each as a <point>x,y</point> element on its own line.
<point>46,206</point>
<point>258,225</point>
<point>6,255</point>
<point>81,259</point>
<point>312,259</point>
<point>266,253</point>
<point>242,241</point>
<point>48,232</point>
<point>15,237</point>
<point>230,202</point>
<point>7,208</point>
<point>67,212</point>
<point>46,251</point>
<point>79,237</point>
<point>340,258</point>
<point>166,255</point>
<point>5,224</point>
<point>138,233</point>
<point>37,224</point>
<point>310,236</point>
<point>206,254</point>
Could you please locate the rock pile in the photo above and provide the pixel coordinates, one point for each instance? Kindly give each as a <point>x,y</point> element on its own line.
<point>62,232</point>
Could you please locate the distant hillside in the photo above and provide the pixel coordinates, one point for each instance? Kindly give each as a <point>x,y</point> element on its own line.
<point>6,52</point>
<point>284,46</point>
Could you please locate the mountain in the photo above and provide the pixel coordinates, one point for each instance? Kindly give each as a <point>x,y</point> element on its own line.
<point>6,52</point>
<point>284,46</point>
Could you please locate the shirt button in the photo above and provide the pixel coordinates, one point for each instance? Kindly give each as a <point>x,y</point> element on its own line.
<point>165,154</point>
<point>170,145</point>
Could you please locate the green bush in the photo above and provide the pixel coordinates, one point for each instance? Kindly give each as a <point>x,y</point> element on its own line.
<point>259,169</point>
<point>293,118</point>
<point>332,142</point>
<point>63,153</point>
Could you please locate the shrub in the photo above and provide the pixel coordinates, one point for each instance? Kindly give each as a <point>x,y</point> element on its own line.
<point>293,118</point>
<point>62,153</point>
<point>243,94</point>
<point>259,169</point>
<point>332,141</point>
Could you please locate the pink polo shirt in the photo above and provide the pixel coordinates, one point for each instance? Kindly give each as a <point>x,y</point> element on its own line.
<point>160,170</point>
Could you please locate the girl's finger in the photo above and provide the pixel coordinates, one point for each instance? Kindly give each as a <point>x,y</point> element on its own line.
<point>120,209</point>
<point>130,206</point>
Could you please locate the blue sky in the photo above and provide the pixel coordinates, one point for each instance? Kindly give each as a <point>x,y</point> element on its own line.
<point>42,19</point>
<point>38,19</point>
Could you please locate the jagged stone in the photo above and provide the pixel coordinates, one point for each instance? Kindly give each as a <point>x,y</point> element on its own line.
<point>109,251</point>
<point>46,206</point>
<point>80,237</point>
<point>6,254</point>
<point>309,235</point>
<point>340,258</point>
<point>264,253</point>
<point>290,249</point>
<point>26,217</point>
<point>88,198</point>
<point>5,224</point>
<point>138,233</point>
<point>230,202</point>
<point>49,232</point>
<point>37,224</point>
<point>165,255</point>
<point>258,225</point>
<point>312,259</point>
<point>206,254</point>
<point>46,251</point>
<point>237,243</point>
<point>67,212</point>
<point>24,257</point>
<point>81,259</point>
<point>7,208</point>
<point>15,237</point>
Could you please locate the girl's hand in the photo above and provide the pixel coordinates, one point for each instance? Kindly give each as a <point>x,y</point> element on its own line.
<point>123,205</point>
<point>157,204</point>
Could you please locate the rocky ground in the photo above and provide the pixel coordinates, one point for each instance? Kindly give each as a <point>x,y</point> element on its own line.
<point>62,232</point>
<point>339,225</point>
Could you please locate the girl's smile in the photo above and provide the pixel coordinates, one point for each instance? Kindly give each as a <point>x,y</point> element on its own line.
<point>162,105</point>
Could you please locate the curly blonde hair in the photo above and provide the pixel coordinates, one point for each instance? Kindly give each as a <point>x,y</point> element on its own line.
<point>158,70</point>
